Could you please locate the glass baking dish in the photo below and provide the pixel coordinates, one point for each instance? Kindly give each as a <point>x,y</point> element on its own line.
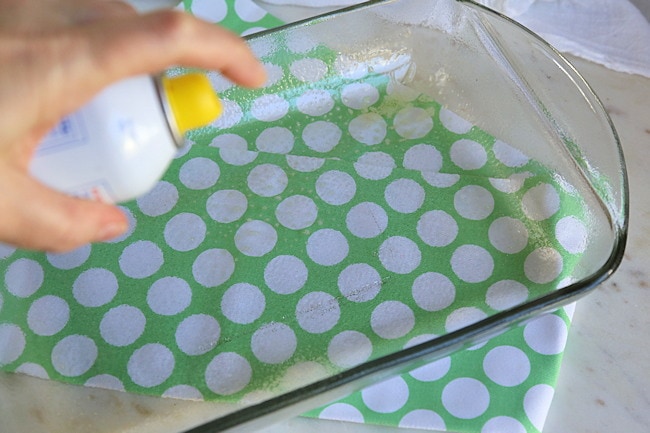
<point>488,186</point>
<point>477,67</point>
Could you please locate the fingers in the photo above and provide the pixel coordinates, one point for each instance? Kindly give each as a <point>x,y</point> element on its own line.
<point>37,218</point>
<point>88,57</point>
<point>150,43</point>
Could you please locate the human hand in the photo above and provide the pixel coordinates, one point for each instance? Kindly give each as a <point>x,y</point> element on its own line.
<point>55,56</point>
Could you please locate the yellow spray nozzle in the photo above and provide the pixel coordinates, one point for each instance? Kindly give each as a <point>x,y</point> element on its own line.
<point>192,100</point>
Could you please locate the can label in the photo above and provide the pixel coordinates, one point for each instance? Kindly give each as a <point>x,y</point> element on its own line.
<point>69,132</point>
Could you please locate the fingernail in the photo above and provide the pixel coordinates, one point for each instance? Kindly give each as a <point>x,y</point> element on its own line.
<point>111,231</point>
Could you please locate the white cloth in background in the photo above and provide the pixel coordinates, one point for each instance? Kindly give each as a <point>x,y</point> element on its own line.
<point>613,33</point>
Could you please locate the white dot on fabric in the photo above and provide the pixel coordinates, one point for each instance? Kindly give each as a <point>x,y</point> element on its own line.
<point>510,184</point>
<point>169,296</point>
<point>317,312</point>
<point>274,73</point>
<point>546,334</point>
<point>48,315</point>
<point>474,202</point>
<point>24,277</point>
<point>95,287</point>
<point>327,247</point>
<point>247,12</point>
<point>199,173</point>
<point>336,187</point>
<point>386,397</point>
<point>261,46</point>
<point>423,419</point>
<point>228,373</point>
<point>400,255</point>
<point>537,402</point>
<point>366,220</point>
<point>213,267</point>
<point>105,381</point>
<point>197,334</point>
<point>160,200</point>
<point>404,195</point>
<point>183,392</point>
<point>274,343</point>
<point>304,164</point>
<point>540,202</point>
<point>501,424</point>
<point>185,231</point>
<point>423,157</point>
<point>6,250</point>
<point>506,294</point>
<point>269,108</point>
<point>122,325</point>
<point>433,291</point>
<point>315,102</point>
<point>368,128</point>
<point>285,274</point>
<point>462,317</point>
<point>233,149</point>
<point>141,259</point>
<point>349,348</point>
<point>226,206</point>
<point>69,260</point>
<point>543,265</point>
<point>150,365</point>
<point>466,398</point>
<point>359,95</point>
<point>440,180</point>
<point>12,341</point>
<point>468,154</point>
<point>374,165</point>
<point>308,70</point>
<point>267,180</point>
<point>243,303</point>
<point>300,42</point>
<point>572,234</point>
<point>321,136</point>
<point>31,369</point>
<point>74,355</point>
<point>472,264</point>
<point>359,282</point>
<point>453,122</point>
<point>298,375</point>
<point>437,228</point>
<point>219,82</point>
<point>296,212</point>
<point>506,366</point>
<point>508,155</point>
<point>211,10</point>
<point>275,140</point>
<point>508,235</point>
<point>433,371</point>
<point>255,238</point>
<point>413,122</point>
<point>342,412</point>
<point>392,319</point>
<point>230,116</point>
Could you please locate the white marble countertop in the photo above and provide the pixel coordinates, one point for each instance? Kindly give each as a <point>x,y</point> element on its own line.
<point>604,384</point>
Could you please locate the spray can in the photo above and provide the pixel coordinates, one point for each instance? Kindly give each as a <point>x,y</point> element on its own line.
<point>117,147</point>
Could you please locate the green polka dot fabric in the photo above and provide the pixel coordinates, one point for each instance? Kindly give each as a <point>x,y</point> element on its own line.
<point>330,218</point>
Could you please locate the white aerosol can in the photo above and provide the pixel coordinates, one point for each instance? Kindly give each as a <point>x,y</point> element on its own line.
<point>117,147</point>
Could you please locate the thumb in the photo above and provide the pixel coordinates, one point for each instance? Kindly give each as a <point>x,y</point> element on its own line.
<point>38,218</point>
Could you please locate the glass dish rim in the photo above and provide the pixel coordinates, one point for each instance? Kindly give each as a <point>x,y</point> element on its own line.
<point>444,345</point>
